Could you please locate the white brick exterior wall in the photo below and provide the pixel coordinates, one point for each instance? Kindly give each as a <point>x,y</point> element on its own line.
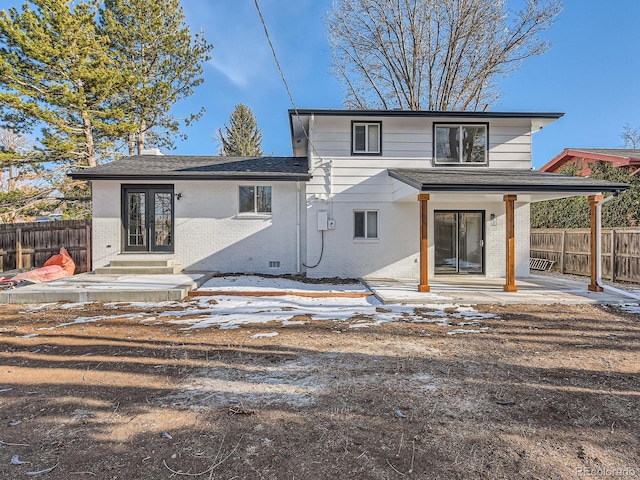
<point>396,253</point>
<point>210,235</point>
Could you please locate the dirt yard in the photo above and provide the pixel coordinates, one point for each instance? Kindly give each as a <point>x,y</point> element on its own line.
<point>530,393</point>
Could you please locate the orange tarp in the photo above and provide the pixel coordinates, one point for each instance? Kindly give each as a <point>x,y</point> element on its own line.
<point>58,266</point>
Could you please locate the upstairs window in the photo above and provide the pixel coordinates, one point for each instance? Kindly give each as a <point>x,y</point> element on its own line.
<point>255,199</point>
<point>460,144</point>
<point>366,138</point>
<point>365,224</point>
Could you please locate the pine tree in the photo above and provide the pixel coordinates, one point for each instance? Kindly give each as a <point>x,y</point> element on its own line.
<point>152,44</point>
<point>56,70</point>
<point>242,137</point>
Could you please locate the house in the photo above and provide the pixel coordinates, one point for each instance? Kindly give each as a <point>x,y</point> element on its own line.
<point>583,158</point>
<point>386,194</point>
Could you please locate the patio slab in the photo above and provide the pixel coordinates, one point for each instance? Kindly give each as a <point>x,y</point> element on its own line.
<point>474,290</point>
<point>90,287</point>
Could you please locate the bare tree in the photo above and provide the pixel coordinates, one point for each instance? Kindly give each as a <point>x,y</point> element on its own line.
<point>14,170</point>
<point>630,137</point>
<point>432,54</point>
<point>24,184</point>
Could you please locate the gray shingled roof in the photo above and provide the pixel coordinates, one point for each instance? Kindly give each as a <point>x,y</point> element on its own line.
<point>173,167</point>
<point>500,181</point>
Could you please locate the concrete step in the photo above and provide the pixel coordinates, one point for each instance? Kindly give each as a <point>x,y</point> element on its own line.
<point>135,262</point>
<point>134,269</point>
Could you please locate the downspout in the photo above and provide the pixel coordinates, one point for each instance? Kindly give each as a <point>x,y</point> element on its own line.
<point>298,249</point>
<point>599,238</point>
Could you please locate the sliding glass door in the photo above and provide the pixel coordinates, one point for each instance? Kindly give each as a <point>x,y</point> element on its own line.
<point>459,242</point>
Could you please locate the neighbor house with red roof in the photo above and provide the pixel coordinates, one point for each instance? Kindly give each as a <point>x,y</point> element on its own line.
<point>583,158</point>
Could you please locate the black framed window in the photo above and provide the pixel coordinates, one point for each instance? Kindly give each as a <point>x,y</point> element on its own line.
<point>366,138</point>
<point>365,224</point>
<point>255,199</point>
<point>461,143</point>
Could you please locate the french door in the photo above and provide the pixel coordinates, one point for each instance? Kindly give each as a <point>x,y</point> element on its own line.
<point>459,242</point>
<point>147,218</point>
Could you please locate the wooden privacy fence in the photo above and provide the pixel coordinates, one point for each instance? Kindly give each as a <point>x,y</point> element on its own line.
<point>570,250</point>
<point>28,245</point>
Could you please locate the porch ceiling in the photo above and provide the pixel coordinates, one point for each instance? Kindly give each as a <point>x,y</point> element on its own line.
<point>529,185</point>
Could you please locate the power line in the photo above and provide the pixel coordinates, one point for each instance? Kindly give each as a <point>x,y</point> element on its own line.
<point>284,80</point>
<point>275,57</point>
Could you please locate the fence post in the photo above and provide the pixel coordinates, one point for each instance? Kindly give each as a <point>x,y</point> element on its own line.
<point>562,248</point>
<point>613,254</point>
<point>18,248</point>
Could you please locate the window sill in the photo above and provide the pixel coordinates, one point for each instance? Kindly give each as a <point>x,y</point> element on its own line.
<point>366,240</point>
<point>461,164</point>
<point>254,216</point>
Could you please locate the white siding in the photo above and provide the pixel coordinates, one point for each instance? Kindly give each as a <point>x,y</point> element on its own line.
<point>406,143</point>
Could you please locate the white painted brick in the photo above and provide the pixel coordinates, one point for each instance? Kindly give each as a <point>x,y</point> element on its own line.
<point>209,233</point>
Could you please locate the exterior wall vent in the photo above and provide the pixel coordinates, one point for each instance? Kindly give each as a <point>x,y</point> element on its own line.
<point>274,264</point>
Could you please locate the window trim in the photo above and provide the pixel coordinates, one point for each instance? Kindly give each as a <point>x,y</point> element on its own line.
<point>366,238</point>
<point>354,123</point>
<point>460,125</point>
<point>255,212</point>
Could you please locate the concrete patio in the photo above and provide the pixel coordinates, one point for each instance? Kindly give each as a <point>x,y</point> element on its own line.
<point>91,287</point>
<point>458,289</point>
<point>473,290</point>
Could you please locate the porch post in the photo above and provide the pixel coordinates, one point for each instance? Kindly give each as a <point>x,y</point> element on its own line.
<point>510,285</point>
<point>593,202</point>
<point>423,198</point>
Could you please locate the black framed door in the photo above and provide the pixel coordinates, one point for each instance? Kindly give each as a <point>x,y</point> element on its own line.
<point>459,242</point>
<point>147,218</point>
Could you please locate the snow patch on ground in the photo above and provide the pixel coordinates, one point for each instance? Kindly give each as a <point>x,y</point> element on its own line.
<point>230,312</point>
<point>631,308</point>
<point>101,317</point>
<point>250,283</point>
<point>294,380</point>
<point>265,335</point>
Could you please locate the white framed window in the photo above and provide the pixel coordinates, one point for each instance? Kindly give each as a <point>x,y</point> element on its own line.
<point>365,224</point>
<point>366,138</point>
<point>255,199</point>
<point>460,143</point>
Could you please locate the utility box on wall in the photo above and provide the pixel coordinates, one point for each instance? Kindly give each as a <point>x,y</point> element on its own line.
<point>323,220</point>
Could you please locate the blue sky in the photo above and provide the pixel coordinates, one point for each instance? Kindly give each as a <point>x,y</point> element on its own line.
<point>590,73</point>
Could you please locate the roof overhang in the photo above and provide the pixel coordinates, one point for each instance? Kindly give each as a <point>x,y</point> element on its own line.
<point>164,178</point>
<point>180,167</point>
<point>299,127</point>
<point>535,185</point>
<point>540,118</point>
